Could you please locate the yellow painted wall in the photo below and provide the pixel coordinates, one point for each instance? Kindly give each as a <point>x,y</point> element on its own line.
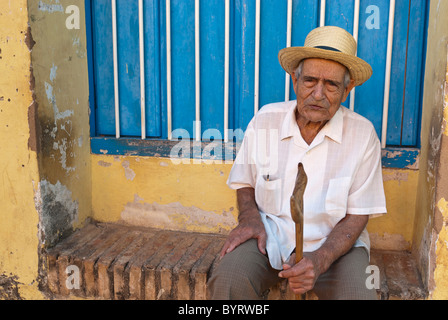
<point>18,158</point>
<point>155,192</point>
<point>61,88</point>
<point>441,211</point>
<point>441,264</point>
<point>430,236</point>
<point>194,197</point>
<point>44,138</point>
<point>394,231</point>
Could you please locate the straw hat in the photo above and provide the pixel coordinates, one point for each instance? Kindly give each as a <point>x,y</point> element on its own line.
<point>331,43</point>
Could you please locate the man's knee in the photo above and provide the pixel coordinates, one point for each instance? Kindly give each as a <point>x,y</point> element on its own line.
<point>241,274</point>
<point>346,278</point>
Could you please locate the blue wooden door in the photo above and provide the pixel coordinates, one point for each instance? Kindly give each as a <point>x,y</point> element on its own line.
<point>407,62</point>
<point>129,67</point>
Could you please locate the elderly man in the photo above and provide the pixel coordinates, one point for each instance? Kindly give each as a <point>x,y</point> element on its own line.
<point>341,155</point>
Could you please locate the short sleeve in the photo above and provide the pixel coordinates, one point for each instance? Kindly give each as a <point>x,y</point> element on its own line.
<point>243,172</point>
<point>366,194</point>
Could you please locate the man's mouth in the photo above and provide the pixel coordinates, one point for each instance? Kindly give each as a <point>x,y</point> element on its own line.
<point>315,107</point>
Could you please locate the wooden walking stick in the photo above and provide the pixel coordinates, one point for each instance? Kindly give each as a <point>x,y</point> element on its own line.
<point>296,203</point>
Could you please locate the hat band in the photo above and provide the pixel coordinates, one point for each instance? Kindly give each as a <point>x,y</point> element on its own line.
<point>327,48</point>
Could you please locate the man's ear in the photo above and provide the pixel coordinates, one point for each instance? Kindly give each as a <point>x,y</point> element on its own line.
<point>349,88</point>
<point>294,81</point>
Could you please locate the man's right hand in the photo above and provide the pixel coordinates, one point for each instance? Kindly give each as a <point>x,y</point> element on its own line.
<point>250,225</point>
<point>243,232</point>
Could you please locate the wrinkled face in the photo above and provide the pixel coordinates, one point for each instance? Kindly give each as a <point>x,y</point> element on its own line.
<point>320,89</point>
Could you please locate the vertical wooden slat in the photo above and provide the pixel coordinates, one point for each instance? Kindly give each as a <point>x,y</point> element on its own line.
<point>257,57</point>
<point>115,53</point>
<point>355,35</point>
<point>288,44</point>
<point>197,71</point>
<point>142,68</point>
<point>323,4</point>
<point>168,69</point>
<point>226,69</point>
<point>390,37</point>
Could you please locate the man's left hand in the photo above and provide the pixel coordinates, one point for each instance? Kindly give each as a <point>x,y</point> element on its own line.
<point>303,275</point>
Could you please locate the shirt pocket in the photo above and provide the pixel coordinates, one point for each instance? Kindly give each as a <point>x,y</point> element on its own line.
<point>268,195</point>
<point>337,198</point>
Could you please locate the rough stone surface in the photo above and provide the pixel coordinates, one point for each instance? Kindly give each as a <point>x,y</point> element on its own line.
<point>400,275</point>
<point>125,262</point>
<point>120,262</point>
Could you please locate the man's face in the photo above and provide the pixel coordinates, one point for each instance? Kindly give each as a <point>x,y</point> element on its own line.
<point>320,89</point>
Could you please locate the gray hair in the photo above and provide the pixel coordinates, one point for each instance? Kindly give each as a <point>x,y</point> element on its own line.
<point>347,76</point>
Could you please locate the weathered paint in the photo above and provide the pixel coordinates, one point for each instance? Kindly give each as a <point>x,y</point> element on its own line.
<point>47,7</point>
<point>441,251</point>
<point>59,59</point>
<point>182,149</point>
<point>445,109</point>
<point>58,212</point>
<point>400,158</point>
<point>430,236</point>
<point>192,197</point>
<point>394,230</point>
<point>441,213</point>
<point>175,216</point>
<point>45,163</point>
<point>19,260</point>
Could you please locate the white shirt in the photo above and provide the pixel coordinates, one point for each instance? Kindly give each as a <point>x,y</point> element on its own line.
<point>343,166</point>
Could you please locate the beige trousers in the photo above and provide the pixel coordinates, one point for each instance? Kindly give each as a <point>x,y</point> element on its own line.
<point>245,274</point>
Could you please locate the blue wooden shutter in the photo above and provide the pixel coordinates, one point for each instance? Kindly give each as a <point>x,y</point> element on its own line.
<point>129,67</point>
<point>407,62</point>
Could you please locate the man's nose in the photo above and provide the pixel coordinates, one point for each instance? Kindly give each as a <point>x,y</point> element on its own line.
<point>319,91</point>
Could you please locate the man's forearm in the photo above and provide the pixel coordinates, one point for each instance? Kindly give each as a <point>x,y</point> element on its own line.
<point>340,240</point>
<point>247,206</point>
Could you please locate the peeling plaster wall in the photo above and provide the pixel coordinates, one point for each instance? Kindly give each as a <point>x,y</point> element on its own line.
<point>58,212</point>
<point>430,237</point>
<point>59,60</point>
<point>394,231</point>
<point>19,243</point>
<point>439,281</point>
<point>44,138</point>
<point>155,192</point>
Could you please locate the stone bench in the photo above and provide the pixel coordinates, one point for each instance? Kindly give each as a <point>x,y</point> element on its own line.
<point>399,276</point>
<point>114,261</point>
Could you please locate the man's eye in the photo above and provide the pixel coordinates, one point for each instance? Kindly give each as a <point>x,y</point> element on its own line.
<point>332,86</point>
<point>309,82</point>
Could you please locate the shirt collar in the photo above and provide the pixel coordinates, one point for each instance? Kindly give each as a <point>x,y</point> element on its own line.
<point>289,126</point>
<point>333,128</point>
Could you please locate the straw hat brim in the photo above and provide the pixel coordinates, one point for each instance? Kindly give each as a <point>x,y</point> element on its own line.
<point>360,71</point>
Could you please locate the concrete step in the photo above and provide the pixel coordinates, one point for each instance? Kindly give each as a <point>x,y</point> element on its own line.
<point>399,276</point>
<point>119,262</point>
<point>123,262</point>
